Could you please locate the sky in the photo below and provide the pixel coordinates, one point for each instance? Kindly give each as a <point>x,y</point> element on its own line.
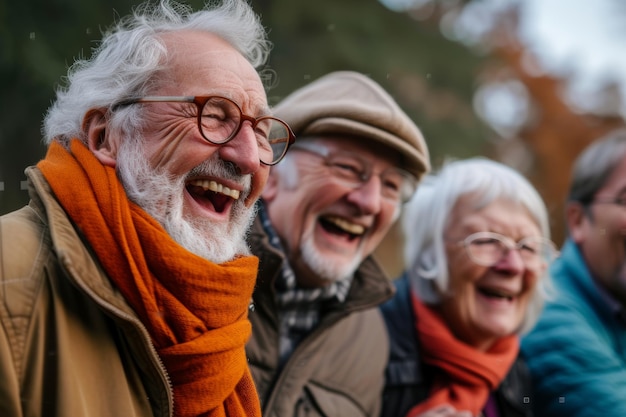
<point>583,37</point>
<point>581,40</point>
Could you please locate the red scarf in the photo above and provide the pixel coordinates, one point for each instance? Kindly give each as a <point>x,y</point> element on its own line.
<point>194,310</point>
<point>465,375</point>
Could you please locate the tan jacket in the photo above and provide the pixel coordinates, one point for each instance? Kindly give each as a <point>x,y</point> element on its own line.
<point>338,369</point>
<point>70,346</point>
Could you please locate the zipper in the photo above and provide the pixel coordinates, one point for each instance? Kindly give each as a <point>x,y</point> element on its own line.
<point>156,359</point>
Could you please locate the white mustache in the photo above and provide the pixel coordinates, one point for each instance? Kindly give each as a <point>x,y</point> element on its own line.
<point>217,168</point>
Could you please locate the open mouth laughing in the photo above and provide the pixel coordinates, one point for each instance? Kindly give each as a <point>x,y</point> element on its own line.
<point>342,227</point>
<point>497,293</point>
<point>212,194</point>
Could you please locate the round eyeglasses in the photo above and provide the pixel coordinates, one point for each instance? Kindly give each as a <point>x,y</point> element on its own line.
<point>220,119</point>
<point>397,185</point>
<point>487,249</point>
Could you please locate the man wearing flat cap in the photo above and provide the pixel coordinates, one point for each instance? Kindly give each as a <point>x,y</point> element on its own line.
<point>319,346</point>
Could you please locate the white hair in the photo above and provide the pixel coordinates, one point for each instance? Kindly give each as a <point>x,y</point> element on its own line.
<point>124,63</point>
<point>427,214</point>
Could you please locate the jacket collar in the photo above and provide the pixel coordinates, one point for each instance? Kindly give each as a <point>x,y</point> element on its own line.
<point>72,251</point>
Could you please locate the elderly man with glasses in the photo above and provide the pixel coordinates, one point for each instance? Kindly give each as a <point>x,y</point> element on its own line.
<point>577,351</point>
<point>319,345</point>
<point>125,283</point>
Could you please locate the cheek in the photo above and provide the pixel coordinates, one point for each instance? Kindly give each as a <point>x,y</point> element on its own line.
<point>621,224</point>
<point>461,288</point>
<point>462,271</point>
<point>459,310</point>
<point>288,208</point>
<point>463,275</point>
<point>531,281</point>
<point>177,150</point>
<point>464,293</point>
<point>315,193</point>
<point>384,221</point>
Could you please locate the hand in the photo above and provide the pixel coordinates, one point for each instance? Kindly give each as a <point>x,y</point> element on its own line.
<point>445,410</point>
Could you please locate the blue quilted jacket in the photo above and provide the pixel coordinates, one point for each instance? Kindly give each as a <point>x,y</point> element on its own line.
<point>577,352</point>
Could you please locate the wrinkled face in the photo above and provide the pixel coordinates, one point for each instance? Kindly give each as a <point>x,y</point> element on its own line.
<point>327,227</point>
<point>202,193</point>
<point>601,233</point>
<point>485,303</point>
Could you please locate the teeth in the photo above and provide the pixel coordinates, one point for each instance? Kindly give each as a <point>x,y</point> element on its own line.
<point>499,294</point>
<point>343,224</point>
<point>216,187</point>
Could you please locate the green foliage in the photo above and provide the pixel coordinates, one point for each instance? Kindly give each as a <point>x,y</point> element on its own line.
<point>39,39</point>
<point>431,77</point>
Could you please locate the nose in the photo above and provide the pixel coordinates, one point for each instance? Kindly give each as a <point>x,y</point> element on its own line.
<point>242,150</point>
<point>511,261</point>
<point>367,196</point>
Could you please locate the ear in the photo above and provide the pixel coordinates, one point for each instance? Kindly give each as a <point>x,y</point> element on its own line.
<point>575,217</point>
<point>271,186</point>
<point>99,143</point>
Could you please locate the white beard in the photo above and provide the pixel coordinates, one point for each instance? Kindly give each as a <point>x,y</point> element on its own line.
<point>161,196</point>
<point>325,268</point>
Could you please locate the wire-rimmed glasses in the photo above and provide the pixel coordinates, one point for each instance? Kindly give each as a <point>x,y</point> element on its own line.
<point>397,185</point>
<point>220,119</point>
<point>488,248</point>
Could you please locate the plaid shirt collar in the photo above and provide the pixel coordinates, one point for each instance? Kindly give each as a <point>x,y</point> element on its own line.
<point>287,291</point>
<point>299,309</point>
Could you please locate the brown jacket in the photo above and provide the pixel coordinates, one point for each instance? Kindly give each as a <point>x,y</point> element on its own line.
<point>338,369</point>
<point>69,344</point>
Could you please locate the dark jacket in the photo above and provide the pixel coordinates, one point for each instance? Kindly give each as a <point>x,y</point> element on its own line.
<point>408,380</point>
<point>337,370</point>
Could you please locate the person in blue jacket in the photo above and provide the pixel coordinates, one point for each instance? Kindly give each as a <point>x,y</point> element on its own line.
<point>577,351</point>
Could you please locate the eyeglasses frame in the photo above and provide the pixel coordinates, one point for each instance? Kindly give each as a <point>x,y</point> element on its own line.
<point>324,152</point>
<point>507,242</point>
<point>200,102</point>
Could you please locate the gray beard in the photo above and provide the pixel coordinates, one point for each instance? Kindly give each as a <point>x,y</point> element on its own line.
<point>323,267</point>
<point>161,196</point>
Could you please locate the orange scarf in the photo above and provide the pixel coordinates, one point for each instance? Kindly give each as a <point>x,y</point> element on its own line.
<point>465,375</point>
<point>194,310</point>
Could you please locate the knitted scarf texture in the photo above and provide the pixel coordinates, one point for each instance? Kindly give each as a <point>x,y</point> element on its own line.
<point>465,376</point>
<point>194,310</point>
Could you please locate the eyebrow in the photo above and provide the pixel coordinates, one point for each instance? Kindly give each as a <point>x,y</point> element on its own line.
<point>259,111</point>
<point>260,108</point>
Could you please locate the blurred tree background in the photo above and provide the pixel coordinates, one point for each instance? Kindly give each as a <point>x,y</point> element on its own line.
<point>457,67</point>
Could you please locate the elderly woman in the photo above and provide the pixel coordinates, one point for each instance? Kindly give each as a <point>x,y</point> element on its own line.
<point>476,255</point>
